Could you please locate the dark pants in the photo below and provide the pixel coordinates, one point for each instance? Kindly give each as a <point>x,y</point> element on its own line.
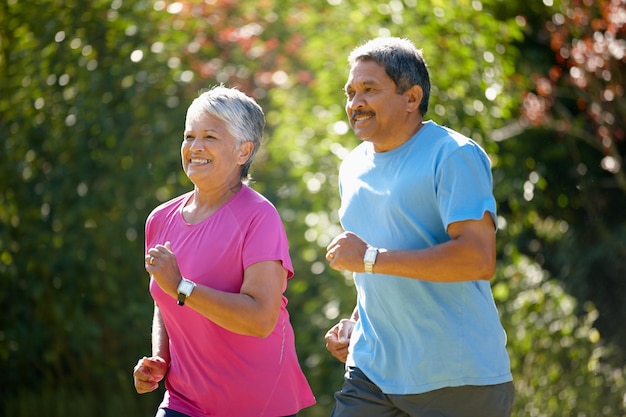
<point>166,412</point>
<point>361,397</point>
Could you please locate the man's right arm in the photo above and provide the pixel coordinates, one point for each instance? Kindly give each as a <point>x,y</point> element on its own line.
<point>338,337</point>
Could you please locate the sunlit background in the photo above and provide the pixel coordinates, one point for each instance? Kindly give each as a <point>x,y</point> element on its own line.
<point>92,101</point>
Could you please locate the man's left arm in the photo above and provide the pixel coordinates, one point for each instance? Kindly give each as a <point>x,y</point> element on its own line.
<point>469,255</point>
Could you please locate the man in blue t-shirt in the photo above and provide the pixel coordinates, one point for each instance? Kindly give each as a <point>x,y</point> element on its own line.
<point>419,216</point>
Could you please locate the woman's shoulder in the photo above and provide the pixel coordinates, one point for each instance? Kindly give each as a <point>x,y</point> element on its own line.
<point>251,215</point>
<point>168,207</point>
<point>251,196</point>
<point>252,204</point>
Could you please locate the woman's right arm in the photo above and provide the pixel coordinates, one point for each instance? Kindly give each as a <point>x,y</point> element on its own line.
<point>150,371</point>
<point>160,339</point>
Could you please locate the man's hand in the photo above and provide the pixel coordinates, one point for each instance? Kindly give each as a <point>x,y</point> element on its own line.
<point>338,339</point>
<point>346,251</point>
<point>148,373</point>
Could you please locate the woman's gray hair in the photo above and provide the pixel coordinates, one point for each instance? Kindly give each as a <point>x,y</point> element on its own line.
<point>243,117</point>
<point>402,61</point>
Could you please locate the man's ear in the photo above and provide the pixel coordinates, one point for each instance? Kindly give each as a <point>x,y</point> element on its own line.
<point>414,98</point>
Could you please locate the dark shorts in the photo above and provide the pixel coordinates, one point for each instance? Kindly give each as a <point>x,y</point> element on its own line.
<point>361,397</point>
<point>166,412</point>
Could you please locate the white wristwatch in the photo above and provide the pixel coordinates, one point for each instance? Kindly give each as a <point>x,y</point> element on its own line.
<point>370,259</point>
<point>185,287</point>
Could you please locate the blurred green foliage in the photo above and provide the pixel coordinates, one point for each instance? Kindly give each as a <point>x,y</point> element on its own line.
<point>92,101</point>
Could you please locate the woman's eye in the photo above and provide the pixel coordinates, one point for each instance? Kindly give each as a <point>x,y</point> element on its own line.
<point>191,138</point>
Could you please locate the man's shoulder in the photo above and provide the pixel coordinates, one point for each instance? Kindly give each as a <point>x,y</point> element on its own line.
<point>358,153</point>
<point>445,134</point>
<point>448,139</point>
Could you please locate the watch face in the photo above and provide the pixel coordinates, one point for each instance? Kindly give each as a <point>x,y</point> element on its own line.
<point>186,287</point>
<point>370,255</point>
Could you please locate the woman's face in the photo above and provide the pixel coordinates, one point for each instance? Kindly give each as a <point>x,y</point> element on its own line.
<point>210,154</point>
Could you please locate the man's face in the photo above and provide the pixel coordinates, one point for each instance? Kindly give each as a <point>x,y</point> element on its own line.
<point>376,112</point>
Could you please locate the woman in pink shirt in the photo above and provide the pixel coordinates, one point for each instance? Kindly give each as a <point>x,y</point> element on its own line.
<point>218,260</point>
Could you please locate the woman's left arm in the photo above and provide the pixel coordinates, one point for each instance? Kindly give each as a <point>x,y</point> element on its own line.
<point>254,310</point>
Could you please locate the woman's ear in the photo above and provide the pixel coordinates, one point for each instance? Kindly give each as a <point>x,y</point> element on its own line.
<point>414,98</point>
<point>245,150</point>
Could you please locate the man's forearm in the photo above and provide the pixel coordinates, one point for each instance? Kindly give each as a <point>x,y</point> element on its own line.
<point>355,314</point>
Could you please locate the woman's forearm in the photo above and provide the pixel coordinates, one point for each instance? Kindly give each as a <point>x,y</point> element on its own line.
<point>160,339</point>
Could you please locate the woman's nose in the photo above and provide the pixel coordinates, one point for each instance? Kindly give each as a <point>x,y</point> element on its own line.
<point>196,143</point>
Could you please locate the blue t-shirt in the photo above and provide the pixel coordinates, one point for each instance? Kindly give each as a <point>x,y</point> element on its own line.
<point>416,336</point>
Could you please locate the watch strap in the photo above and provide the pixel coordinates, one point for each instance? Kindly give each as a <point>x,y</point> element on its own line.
<point>184,290</point>
<point>370,259</point>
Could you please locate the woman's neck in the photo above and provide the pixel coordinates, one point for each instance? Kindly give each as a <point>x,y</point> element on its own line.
<point>204,203</point>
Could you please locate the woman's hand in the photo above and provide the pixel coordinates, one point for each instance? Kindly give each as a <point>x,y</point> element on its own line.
<point>148,373</point>
<point>161,264</point>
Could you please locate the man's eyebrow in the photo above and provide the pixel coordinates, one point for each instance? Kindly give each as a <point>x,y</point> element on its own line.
<point>365,83</point>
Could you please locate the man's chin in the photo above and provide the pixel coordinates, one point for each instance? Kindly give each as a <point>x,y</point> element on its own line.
<point>364,138</point>
<point>361,134</point>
